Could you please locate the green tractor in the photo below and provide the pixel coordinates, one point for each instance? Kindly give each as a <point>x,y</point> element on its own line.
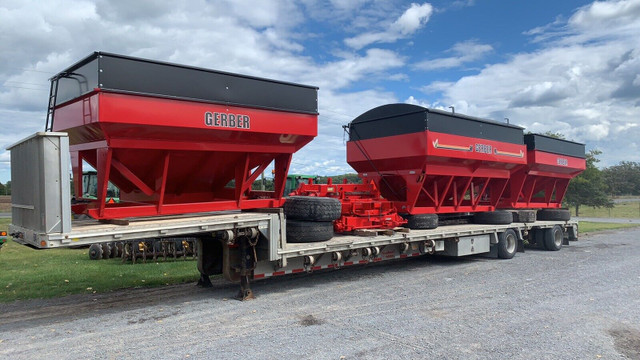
<point>294,180</point>
<point>90,188</point>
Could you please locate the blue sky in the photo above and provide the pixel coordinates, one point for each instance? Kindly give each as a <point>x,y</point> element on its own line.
<point>563,66</point>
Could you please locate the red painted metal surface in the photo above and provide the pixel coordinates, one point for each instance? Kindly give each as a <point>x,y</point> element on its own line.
<point>172,156</point>
<point>430,172</point>
<point>362,205</point>
<point>543,182</point>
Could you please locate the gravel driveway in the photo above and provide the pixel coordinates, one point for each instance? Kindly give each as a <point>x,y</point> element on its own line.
<point>580,303</point>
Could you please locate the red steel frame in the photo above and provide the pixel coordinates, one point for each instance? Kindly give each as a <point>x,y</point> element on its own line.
<point>362,205</point>
<point>543,182</point>
<point>166,160</point>
<point>431,172</point>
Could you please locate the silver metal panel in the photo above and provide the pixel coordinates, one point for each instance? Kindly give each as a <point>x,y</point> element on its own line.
<point>41,199</point>
<point>469,245</point>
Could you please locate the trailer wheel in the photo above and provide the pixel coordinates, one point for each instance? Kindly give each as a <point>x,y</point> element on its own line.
<point>106,250</point>
<point>524,216</point>
<point>422,221</point>
<point>507,244</point>
<point>553,238</point>
<point>309,231</point>
<point>554,214</point>
<point>95,252</point>
<point>312,208</point>
<point>498,217</point>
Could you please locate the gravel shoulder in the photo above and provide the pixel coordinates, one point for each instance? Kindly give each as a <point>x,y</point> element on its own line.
<point>580,303</point>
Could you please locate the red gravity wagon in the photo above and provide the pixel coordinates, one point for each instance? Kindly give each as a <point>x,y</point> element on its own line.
<point>177,139</point>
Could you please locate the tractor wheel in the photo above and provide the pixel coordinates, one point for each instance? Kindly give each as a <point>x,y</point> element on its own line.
<point>507,244</point>
<point>524,216</point>
<point>498,217</point>
<point>553,238</point>
<point>95,252</point>
<point>554,214</point>
<point>422,221</point>
<point>106,250</point>
<point>310,208</point>
<point>308,231</point>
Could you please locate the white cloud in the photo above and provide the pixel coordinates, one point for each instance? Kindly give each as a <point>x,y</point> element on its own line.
<point>408,23</point>
<point>464,52</point>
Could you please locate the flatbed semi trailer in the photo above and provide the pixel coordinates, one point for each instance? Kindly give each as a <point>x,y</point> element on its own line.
<point>252,245</point>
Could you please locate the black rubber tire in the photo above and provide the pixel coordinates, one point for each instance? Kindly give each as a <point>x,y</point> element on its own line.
<point>95,252</point>
<point>422,221</point>
<point>309,208</point>
<point>524,216</point>
<point>507,244</point>
<point>308,231</point>
<point>554,214</point>
<point>553,237</point>
<point>106,250</point>
<point>498,217</point>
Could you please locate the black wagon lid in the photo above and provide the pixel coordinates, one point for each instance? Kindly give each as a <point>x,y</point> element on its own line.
<point>126,74</point>
<point>398,119</point>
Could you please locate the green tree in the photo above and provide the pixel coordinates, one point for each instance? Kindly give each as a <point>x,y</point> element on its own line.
<point>623,179</point>
<point>337,179</point>
<point>3,189</point>
<point>8,188</point>
<point>588,188</point>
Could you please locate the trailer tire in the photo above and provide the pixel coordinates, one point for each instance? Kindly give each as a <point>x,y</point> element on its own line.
<point>309,208</point>
<point>95,252</point>
<point>524,216</point>
<point>507,244</point>
<point>553,238</point>
<point>422,221</point>
<point>498,217</point>
<point>308,231</point>
<point>554,214</point>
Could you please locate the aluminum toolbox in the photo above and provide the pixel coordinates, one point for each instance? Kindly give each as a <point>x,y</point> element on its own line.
<point>40,198</point>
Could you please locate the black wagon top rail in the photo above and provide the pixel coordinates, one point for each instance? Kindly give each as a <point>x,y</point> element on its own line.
<point>125,74</point>
<point>398,119</point>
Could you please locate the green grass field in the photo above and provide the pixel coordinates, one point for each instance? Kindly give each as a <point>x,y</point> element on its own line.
<point>627,210</point>
<point>585,227</point>
<point>27,273</point>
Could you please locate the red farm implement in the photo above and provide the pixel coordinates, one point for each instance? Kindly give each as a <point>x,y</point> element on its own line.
<point>430,161</point>
<point>177,139</point>
<point>362,205</point>
<point>543,182</point>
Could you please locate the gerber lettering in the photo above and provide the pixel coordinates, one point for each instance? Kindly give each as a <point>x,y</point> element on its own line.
<point>237,121</point>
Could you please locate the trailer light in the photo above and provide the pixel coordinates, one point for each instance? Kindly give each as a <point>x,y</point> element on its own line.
<point>43,243</point>
<point>3,233</point>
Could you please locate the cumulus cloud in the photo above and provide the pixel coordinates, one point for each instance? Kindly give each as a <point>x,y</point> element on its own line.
<point>463,52</point>
<point>408,23</point>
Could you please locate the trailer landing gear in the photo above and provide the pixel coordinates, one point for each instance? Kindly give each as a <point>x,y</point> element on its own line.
<point>245,292</point>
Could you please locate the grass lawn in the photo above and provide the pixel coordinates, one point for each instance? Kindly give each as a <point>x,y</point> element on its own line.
<point>27,273</point>
<point>591,227</point>
<point>627,210</point>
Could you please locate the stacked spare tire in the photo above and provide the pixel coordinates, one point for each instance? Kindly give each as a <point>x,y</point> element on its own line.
<point>310,219</point>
